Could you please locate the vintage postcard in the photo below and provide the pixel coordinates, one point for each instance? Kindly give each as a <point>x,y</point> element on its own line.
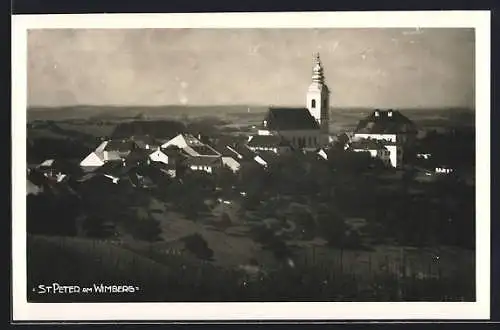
<point>251,166</point>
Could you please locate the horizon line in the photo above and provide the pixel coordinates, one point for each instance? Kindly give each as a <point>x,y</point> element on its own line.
<point>48,107</point>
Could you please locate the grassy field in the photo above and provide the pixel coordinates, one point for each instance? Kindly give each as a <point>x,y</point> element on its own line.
<point>165,275</point>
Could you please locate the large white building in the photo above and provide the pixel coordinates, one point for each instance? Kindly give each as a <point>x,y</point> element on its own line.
<point>391,128</point>
<point>303,128</point>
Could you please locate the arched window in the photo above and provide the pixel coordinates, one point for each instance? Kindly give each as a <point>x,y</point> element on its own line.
<point>313,104</point>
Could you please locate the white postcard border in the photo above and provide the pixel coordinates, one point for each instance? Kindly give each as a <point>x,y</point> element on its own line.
<point>22,310</point>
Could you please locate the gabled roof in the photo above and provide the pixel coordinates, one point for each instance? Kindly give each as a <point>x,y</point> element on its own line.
<point>205,150</point>
<point>282,119</point>
<point>367,144</point>
<point>48,163</point>
<point>224,150</point>
<point>173,151</point>
<point>123,145</point>
<point>267,141</point>
<point>224,144</point>
<point>385,122</point>
<point>268,156</point>
<point>202,161</point>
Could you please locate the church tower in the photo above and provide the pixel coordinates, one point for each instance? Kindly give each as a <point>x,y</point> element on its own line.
<point>318,96</point>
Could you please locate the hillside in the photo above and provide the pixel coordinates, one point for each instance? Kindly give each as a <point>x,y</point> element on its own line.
<point>173,277</point>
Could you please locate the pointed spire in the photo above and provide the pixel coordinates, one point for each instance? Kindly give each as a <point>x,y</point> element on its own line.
<point>318,76</point>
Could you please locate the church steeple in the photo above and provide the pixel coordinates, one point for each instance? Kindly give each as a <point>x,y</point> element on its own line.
<point>318,96</point>
<point>318,76</point>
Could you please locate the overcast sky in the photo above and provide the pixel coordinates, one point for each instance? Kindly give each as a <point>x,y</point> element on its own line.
<point>383,68</point>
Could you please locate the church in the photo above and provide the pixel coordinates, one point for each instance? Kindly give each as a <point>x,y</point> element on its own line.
<point>303,128</point>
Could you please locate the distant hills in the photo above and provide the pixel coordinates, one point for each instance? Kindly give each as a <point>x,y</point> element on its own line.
<point>443,116</point>
<point>116,112</point>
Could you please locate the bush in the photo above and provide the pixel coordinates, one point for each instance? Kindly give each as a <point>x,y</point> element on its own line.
<point>332,227</point>
<point>96,227</point>
<point>198,245</point>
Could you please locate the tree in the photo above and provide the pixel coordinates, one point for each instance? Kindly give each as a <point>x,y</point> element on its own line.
<point>147,229</point>
<point>96,227</point>
<point>199,246</point>
<point>332,227</point>
<point>51,213</point>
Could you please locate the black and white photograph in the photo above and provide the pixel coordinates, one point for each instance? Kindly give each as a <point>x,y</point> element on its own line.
<point>209,162</point>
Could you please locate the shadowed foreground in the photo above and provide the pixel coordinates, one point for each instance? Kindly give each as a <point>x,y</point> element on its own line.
<point>85,262</point>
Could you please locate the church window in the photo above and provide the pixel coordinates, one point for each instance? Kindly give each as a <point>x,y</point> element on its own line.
<point>313,104</point>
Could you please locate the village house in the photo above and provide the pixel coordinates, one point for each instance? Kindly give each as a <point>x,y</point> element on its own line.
<point>159,156</point>
<point>273,143</point>
<point>389,125</point>
<point>167,169</point>
<point>375,148</point>
<point>391,128</point>
<point>266,158</point>
<point>443,169</point>
<point>191,146</point>
<point>228,157</point>
<point>108,151</point>
<point>204,163</point>
<point>54,170</point>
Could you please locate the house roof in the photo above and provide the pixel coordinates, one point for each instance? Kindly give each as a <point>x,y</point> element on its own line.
<point>202,161</point>
<point>268,156</point>
<point>281,119</point>
<point>382,122</point>
<point>224,150</point>
<point>115,168</point>
<point>162,166</point>
<point>204,150</point>
<point>48,163</point>
<point>191,140</point>
<point>122,145</point>
<point>367,144</point>
<point>173,151</point>
<point>224,144</point>
<point>143,140</point>
<point>137,155</point>
<point>268,141</point>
